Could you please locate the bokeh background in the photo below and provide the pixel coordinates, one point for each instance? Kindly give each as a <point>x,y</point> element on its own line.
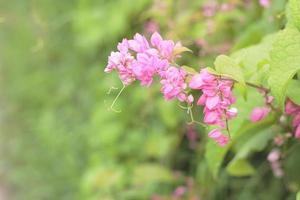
<point>59,140</point>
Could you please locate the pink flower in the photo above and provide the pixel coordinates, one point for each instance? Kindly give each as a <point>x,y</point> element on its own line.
<point>146,66</point>
<point>165,47</point>
<point>151,27</point>
<point>264,3</point>
<point>291,108</point>
<point>274,159</point>
<point>216,135</point>
<point>217,98</point>
<point>139,43</point>
<point>294,110</point>
<point>297,133</point>
<point>173,84</point>
<point>122,62</point>
<point>274,155</point>
<point>259,114</point>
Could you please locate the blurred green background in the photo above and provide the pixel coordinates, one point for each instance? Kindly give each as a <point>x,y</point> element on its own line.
<point>58,138</point>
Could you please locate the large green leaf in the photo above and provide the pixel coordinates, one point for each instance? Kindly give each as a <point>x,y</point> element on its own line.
<point>285,59</point>
<point>294,12</point>
<point>228,67</point>
<point>293,91</point>
<point>255,59</point>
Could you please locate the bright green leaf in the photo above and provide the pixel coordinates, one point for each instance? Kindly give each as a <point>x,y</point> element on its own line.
<point>228,67</point>
<point>294,12</point>
<point>293,91</point>
<point>285,59</point>
<point>240,167</point>
<point>189,69</point>
<point>298,196</point>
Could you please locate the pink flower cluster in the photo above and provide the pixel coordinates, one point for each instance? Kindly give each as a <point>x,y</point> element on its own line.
<point>294,110</point>
<point>217,98</point>
<point>138,59</point>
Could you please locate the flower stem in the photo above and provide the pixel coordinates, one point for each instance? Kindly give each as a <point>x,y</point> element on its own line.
<point>115,100</point>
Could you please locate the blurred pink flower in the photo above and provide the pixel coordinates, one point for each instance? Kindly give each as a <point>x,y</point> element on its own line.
<point>217,136</point>
<point>259,113</point>
<point>264,3</point>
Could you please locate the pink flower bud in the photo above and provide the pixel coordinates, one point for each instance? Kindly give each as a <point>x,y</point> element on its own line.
<point>259,114</point>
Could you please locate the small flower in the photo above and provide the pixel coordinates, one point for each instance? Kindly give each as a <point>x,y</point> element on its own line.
<point>259,113</point>
<point>291,108</point>
<point>294,110</point>
<point>216,135</point>
<point>264,3</point>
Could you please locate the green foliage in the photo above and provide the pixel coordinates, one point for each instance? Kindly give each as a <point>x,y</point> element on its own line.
<point>293,91</point>
<point>294,7</point>
<point>227,67</point>
<point>240,167</point>
<point>284,63</point>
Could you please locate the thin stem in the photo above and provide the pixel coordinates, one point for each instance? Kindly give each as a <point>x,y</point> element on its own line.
<point>192,118</point>
<point>115,100</point>
<point>248,83</point>
<point>258,87</point>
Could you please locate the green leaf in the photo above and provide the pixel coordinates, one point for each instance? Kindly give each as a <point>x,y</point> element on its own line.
<point>228,67</point>
<point>285,59</point>
<point>149,173</point>
<point>214,156</point>
<point>256,142</point>
<point>179,50</point>
<point>294,13</point>
<point>298,196</point>
<point>189,69</point>
<point>240,167</point>
<point>255,60</point>
<point>293,91</point>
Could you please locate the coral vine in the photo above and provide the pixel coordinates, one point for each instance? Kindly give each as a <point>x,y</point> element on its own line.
<point>139,59</point>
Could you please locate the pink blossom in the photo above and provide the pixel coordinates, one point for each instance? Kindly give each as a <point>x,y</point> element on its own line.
<point>164,47</point>
<point>151,27</point>
<point>264,3</point>
<point>274,155</point>
<point>139,59</point>
<point>139,43</point>
<point>216,135</point>
<point>259,114</point>
<point>173,84</point>
<point>179,191</point>
<point>291,108</point>
<point>217,98</point>
<point>274,159</point>
<point>294,110</point>
<point>122,62</point>
<point>297,133</point>
<point>146,66</point>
